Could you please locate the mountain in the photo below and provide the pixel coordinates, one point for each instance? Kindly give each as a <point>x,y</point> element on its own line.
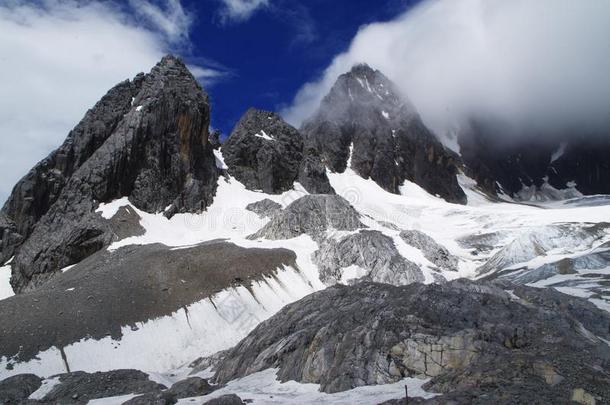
<point>366,124</point>
<point>265,153</point>
<point>535,166</point>
<point>144,261</point>
<point>146,139</point>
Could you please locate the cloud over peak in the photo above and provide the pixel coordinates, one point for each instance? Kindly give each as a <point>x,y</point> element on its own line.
<point>542,63</point>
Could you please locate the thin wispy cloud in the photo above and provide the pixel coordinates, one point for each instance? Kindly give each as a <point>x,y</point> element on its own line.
<point>58,57</point>
<point>240,10</point>
<point>169,19</point>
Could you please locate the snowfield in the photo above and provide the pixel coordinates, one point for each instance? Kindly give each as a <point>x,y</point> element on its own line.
<point>513,238</point>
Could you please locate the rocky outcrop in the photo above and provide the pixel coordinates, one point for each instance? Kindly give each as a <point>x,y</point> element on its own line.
<point>372,252</point>
<point>147,139</point>
<point>16,389</point>
<point>79,387</point>
<point>435,253</point>
<point>229,399</point>
<point>464,335</point>
<point>312,215</point>
<point>264,208</point>
<point>366,123</point>
<point>113,289</point>
<point>265,153</point>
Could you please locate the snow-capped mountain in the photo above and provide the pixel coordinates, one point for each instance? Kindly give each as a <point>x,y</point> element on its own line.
<point>143,262</point>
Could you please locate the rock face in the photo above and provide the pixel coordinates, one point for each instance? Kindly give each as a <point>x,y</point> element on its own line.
<point>264,208</point>
<point>365,123</point>
<point>146,139</point>
<point>371,251</point>
<point>111,290</point>
<point>532,166</point>
<point>312,215</point>
<point>437,254</point>
<point>464,335</point>
<point>265,153</point>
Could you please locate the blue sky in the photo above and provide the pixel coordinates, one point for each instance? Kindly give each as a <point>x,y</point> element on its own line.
<point>281,46</point>
<point>540,63</point>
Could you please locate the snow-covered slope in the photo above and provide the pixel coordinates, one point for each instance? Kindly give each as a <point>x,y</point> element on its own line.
<point>503,238</point>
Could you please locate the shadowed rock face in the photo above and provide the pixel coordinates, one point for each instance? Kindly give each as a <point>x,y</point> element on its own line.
<point>146,139</point>
<point>265,153</point>
<point>505,160</point>
<point>364,118</point>
<point>465,335</point>
<point>133,284</point>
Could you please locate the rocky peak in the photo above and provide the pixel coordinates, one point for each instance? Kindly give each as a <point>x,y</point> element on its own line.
<point>265,153</point>
<point>146,139</point>
<point>365,120</point>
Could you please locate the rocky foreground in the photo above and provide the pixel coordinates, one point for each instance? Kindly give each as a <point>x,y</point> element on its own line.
<point>475,342</point>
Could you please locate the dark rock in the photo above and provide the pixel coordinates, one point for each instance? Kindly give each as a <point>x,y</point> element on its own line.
<point>191,387</point>
<point>312,215</point>
<point>263,152</point>
<point>153,398</point>
<point>312,173</point>
<point>110,290</point>
<point>369,250</point>
<point>506,159</point>
<point>264,208</point>
<point>15,389</point>
<point>468,336</point>
<point>79,387</point>
<point>214,139</point>
<point>230,399</point>
<point>155,151</point>
<point>126,223</point>
<point>364,120</point>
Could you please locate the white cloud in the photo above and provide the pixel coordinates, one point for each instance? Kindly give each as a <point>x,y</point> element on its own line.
<point>58,58</point>
<point>241,10</point>
<point>542,62</point>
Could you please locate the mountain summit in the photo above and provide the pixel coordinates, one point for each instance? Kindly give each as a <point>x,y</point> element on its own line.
<point>146,139</point>
<point>365,123</point>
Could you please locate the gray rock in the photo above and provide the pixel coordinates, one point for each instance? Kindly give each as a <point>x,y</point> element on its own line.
<point>437,254</point>
<point>79,387</point>
<point>263,152</point>
<point>126,223</point>
<point>154,151</point>
<point>312,215</point>
<point>191,387</point>
<point>229,399</point>
<point>389,142</point>
<point>111,290</point>
<point>467,336</point>
<point>369,250</point>
<point>15,389</point>
<point>264,208</point>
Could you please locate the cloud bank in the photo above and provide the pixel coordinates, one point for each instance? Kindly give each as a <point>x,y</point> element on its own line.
<point>542,64</point>
<point>57,58</point>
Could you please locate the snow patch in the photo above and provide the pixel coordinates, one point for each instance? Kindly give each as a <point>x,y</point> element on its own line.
<point>139,108</point>
<point>46,387</point>
<point>264,388</point>
<point>6,290</point>
<point>559,152</point>
<point>264,135</point>
<point>385,115</point>
<point>220,160</point>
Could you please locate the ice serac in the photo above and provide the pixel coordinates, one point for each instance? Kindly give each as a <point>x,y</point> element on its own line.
<point>265,153</point>
<point>146,139</point>
<point>364,122</point>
